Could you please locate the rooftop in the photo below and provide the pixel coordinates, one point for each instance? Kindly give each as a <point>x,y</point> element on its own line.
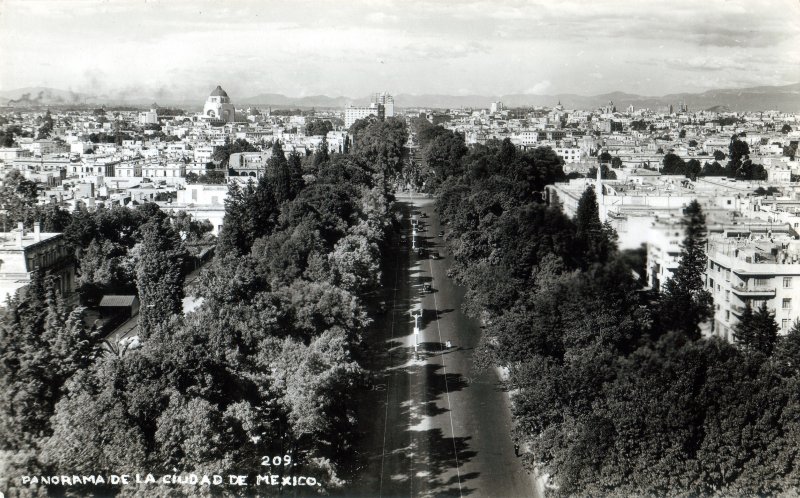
<point>218,92</point>
<point>8,240</point>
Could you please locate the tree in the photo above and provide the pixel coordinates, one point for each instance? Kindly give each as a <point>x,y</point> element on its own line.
<point>606,173</point>
<point>616,162</point>
<point>738,150</point>
<point>786,129</point>
<point>318,127</point>
<point>757,330</point>
<point>673,165</point>
<point>713,169</point>
<point>354,264</point>
<point>159,275</point>
<point>684,303</point>
<point>719,155</point>
<point>693,169</point>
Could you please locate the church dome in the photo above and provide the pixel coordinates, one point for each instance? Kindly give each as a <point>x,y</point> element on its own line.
<point>218,92</point>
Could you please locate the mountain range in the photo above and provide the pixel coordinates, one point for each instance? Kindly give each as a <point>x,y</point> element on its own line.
<point>784,98</point>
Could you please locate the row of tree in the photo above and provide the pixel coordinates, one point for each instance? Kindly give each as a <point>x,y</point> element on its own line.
<point>266,365</point>
<point>738,166</point>
<point>616,392</point>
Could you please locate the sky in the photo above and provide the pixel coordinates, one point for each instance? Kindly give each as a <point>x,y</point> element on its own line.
<point>352,48</point>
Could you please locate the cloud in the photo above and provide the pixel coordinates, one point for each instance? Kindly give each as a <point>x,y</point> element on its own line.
<point>539,87</point>
<point>707,63</point>
<point>381,18</point>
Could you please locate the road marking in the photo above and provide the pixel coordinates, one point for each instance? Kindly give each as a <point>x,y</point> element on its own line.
<point>446,389</point>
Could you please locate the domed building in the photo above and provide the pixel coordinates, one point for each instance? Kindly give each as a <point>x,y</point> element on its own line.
<point>218,107</point>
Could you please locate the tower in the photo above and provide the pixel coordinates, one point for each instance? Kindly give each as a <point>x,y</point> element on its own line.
<point>218,107</point>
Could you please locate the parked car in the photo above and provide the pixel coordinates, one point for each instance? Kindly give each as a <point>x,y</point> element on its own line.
<point>435,255</point>
<point>441,233</point>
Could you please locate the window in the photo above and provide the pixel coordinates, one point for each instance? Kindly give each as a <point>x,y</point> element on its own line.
<point>787,282</point>
<point>787,303</point>
<point>727,315</point>
<point>785,323</point>
<point>760,282</point>
<point>727,295</point>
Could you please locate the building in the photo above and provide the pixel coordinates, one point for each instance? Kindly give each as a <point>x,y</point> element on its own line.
<point>21,253</point>
<point>746,268</point>
<point>249,163</point>
<point>387,101</point>
<point>149,117</point>
<point>218,107</point>
<point>353,114</point>
<point>496,107</point>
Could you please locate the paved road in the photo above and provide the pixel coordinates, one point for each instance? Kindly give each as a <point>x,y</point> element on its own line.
<point>432,426</point>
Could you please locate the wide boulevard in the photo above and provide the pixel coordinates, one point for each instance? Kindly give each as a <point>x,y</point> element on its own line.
<point>431,424</point>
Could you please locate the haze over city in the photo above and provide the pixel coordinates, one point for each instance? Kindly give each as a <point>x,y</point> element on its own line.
<point>178,49</point>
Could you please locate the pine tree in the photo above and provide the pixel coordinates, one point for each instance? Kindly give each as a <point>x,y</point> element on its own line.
<point>766,330</point>
<point>322,155</point>
<point>279,174</point>
<point>757,331</point>
<point>743,331</point>
<point>232,237</point>
<point>598,240</point>
<point>159,276</point>
<point>684,303</point>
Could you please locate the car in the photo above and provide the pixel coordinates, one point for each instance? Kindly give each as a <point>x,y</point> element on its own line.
<point>435,255</point>
<point>420,252</point>
<point>441,233</point>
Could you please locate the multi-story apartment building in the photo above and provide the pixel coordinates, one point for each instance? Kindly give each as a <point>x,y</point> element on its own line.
<point>753,270</point>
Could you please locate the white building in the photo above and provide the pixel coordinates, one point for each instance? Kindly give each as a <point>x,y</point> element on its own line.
<point>353,114</point>
<point>753,269</point>
<point>149,117</point>
<point>21,253</point>
<point>218,107</point>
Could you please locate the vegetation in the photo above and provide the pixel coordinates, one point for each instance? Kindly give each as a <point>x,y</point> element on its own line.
<point>264,366</point>
<point>615,394</point>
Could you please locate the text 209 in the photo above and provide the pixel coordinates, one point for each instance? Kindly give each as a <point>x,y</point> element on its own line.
<point>276,461</point>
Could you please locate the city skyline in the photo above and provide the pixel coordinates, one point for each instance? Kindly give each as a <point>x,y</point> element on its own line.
<point>125,48</point>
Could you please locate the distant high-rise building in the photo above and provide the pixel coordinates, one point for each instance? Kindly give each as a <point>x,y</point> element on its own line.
<point>630,109</point>
<point>218,107</point>
<point>496,107</point>
<point>387,101</point>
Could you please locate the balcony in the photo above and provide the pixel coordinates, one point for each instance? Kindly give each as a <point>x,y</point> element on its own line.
<point>738,309</point>
<point>742,291</point>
